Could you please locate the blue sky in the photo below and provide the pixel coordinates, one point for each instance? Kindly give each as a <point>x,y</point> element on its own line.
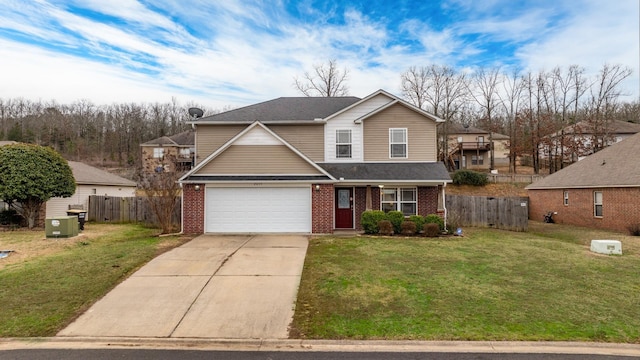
<point>232,53</point>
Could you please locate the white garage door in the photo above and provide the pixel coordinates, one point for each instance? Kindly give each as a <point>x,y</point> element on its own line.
<point>258,210</point>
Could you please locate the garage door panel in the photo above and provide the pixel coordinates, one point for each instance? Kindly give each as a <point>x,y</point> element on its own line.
<point>258,209</point>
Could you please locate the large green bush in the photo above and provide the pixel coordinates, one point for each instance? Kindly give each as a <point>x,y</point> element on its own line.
<point>418,220</point>
<point>434,219</point>
<point>396,218</point>
<point>370,219</point>
<point>470,177</point>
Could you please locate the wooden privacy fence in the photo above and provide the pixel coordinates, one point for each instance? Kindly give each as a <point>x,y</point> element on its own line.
<point>508,213</point>
<point>513,178</point>
<point>125,209</point>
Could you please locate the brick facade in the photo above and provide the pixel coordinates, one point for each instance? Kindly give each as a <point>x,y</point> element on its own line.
<point>322,209</point>
<point>619,207</point>
<point>427,200</point>
<point>193,209</point>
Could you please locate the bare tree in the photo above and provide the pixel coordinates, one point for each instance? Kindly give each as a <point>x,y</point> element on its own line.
<point>513,86</point>
<point>162,193</point>
<point>485,92</point>
<point>603,101</point>
<point>326,80</point>
<point>415,85</point>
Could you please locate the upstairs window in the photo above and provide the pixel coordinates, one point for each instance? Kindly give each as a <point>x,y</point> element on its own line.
<point>158,153</point>
<point>398,143</point>
<point>343,144</point>
<point>597,203</point>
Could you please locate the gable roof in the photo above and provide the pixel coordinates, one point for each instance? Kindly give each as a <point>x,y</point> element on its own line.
<point>190,175</point>
<point>282,109</point>
<point>89,175</point>
<point>613,166</point>
<point>459,129</point>
<point>185,138</point>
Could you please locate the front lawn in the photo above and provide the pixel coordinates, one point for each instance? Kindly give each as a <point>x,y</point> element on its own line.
<point>46,283</point>
<point>487,285</point>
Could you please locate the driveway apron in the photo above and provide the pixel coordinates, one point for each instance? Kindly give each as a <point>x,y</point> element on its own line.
<point>215,286</point>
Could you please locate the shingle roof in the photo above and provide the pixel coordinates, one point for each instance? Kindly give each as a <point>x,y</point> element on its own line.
<point>284,109</point>
<point>388,171</point>
<point>613,166</point>
<point>89,175</point>
<point>185,138</point>
<point>613,127</point>
<point>459,129</point>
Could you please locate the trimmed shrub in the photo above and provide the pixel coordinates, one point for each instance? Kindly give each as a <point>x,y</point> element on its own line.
<point>370,219</point>
<point>470,177</point>
<point>431,230</point>
<point>434,219</point>
<point>418,220</point>
<point>385,227</point>
<point>396,218</point>
<point>408,228</point>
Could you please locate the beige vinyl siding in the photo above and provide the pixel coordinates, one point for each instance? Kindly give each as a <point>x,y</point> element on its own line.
<point>257,160</point>
<point>210,137</point>
<point>421,133</point>
<point>308,139</point>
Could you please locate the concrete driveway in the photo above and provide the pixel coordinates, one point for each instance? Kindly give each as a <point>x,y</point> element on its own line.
<point>215,286</point>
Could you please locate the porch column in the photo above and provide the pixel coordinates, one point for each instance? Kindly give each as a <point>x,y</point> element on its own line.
<point>368,204</point>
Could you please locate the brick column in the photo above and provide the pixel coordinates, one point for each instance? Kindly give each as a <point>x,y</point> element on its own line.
<point>427,200</point>
<point>193,209</point>
<point>322,209</point>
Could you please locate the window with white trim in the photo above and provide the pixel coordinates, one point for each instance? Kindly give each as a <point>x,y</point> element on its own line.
<point>343,144</point>
<point>477,159</point>
<point>185,153</point>
<point>566,198</point>
<point>597,203</point>
<point>158,153</point>
<point>401,199</point>
<point>398,143</point>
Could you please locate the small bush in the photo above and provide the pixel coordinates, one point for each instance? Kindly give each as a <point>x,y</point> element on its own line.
<point>470,177</point>
<point>370,219</point>
<point>453,221</point>
<point>408,228</point>
<point>418,220</point>
<point>396,218</point>
<point>385,227</point>
<point>634,229</point>
<point>431,230</point>
<point>434,219</point>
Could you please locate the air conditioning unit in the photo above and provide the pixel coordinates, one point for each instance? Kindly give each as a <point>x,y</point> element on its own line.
<point>61,227</point>
<point>610,247</point>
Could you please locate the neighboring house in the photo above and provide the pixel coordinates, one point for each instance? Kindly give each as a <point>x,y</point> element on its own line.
<point>600,191</point>
<point>169,153</point>
<point>90,181</point>
<point>580,139</point>
<point>312,165</point>
<point>469,148</point>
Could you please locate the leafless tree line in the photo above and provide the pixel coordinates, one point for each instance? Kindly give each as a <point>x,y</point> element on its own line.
<point>107,135</point>
<point>533,109</point>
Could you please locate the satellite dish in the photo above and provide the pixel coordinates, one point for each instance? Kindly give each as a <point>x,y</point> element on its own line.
<point>465,125</point>
<point>196,113</point>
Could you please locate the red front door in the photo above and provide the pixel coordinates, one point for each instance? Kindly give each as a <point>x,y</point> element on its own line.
<point>344,208</point>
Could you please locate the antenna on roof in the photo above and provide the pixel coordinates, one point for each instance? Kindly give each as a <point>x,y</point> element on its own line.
<point>195,112</point>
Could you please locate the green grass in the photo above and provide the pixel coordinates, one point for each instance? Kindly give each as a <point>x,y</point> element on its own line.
<point>41,295</point>
<point>488,285</point>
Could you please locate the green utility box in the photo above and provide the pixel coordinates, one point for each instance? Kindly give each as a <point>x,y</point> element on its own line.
<point>61,227</point>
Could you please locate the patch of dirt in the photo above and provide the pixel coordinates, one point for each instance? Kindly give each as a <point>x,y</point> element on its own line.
<point>497,190</point>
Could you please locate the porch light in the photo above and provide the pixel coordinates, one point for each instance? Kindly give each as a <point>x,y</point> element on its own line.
<point>381,186</point>
<point>317,187</point>
<point>197,187</point>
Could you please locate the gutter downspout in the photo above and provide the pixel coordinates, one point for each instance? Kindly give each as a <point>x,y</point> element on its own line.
<point>444,205</point>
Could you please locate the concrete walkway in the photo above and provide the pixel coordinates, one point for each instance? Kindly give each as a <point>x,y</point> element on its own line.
<point>223,287</point>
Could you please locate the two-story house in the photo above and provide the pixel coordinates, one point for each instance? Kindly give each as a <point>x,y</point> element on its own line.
<point>312,165</point>
<point>168,153</point>
<point>470,148</point>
